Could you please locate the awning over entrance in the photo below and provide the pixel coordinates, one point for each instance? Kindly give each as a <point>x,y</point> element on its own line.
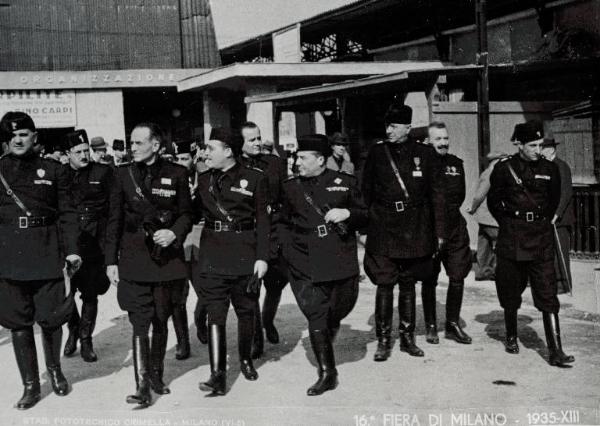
<point>235,76</point>
<point>414,78</point>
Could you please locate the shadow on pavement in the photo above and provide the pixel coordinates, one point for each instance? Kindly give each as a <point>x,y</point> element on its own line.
<point>112,345</point>
<point>528,337</point>
<point>289,322</point>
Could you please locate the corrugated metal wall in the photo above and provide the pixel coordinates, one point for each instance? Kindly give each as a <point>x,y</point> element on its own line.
<point>50,35</point>
<point>198,35</point>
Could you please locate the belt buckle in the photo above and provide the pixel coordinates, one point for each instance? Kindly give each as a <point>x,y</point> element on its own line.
<point>399,206</point>
<point>529,216</point>
<point>218,226</point>
<point>322,231</point>
<point>23,222</point>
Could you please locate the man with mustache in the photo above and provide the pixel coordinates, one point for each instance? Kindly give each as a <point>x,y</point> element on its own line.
<point>524,195</point>
<point>456,253</point>
<point>93,192</point>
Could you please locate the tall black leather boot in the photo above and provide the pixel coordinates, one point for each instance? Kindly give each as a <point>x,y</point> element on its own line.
<point>453,304</point>
<point>89,312</point>
<point>26,356</point>
<point>269,309</point>
<point>407,311</point>
<point>258,343</point>
<point>182,332</point>
<point>511,345</point>
<point>200,321</point>
<point>429,311</point>
<point>73,326</point>
<point>158,348</point>
<point>384,311</point>
<point>141,364</point>
<point>245,337</point>
<point>217,354</point>
<point>328,375</point>
<point>552,328</point>
<point>51,341</point>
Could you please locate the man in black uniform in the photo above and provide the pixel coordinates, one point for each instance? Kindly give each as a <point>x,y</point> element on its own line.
<point>322,210</point>
<point>38,226</point>
<point>456,253</point>
<point>92,190</point>
<point>184,156</point>
<point>275,280</point>
<point>234,249</point>
<point>157,218</point>
<point>406,212</point>
<point>523,197</point>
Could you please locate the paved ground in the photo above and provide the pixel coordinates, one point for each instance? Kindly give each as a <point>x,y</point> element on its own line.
<point>452,385</point>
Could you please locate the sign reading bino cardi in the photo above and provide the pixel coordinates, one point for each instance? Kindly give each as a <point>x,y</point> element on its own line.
<point>48,108</point>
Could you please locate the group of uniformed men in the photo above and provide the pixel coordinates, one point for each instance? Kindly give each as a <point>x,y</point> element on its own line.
<point>88,225</point>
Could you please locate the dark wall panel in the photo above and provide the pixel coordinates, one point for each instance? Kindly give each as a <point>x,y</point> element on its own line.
<point>47,35</point>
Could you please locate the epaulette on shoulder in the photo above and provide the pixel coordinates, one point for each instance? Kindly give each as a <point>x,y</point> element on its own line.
<point>50,160</point>
<point>177,165</point>
<point>101,166</point>
<point>346,174</point>
<point>290,178</point>
<point>256,169</point>
<point>505,158</point>
<point>380,142</point>
<point>456,158</point>
<point>124,164</point>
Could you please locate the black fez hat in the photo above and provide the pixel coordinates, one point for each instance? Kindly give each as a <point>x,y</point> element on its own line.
<point>118,145</point>
<point>316,142</point>
<point>16,120</point>
<point>184,146</point>
<point>398,113</point>
<point>224,135</point>
<point>75,138</point>
<point>338,139</point>
<point>531,130</point>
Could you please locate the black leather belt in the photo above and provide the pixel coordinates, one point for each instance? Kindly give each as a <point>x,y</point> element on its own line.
<point>24,222</point>
<point>401,206</point>
<point>219,226</point>
<point>320,230</point>
<point>526,216</point>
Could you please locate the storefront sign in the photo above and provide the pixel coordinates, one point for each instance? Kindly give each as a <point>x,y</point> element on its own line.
<point>94,79</point>
<point>48,108</point>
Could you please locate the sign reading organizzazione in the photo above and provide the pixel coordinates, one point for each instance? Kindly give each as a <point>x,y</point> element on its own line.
<point>48,108</point>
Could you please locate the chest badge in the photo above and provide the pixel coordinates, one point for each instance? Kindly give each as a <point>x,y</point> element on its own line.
<point>41,173</point>
<point>165,181</point>
<point>242,189</point>
<point>452,171</point>
<point>417,161</point>
<point>337,181</point>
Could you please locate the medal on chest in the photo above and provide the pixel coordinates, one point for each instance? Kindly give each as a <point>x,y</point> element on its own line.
<point>417,172</point>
